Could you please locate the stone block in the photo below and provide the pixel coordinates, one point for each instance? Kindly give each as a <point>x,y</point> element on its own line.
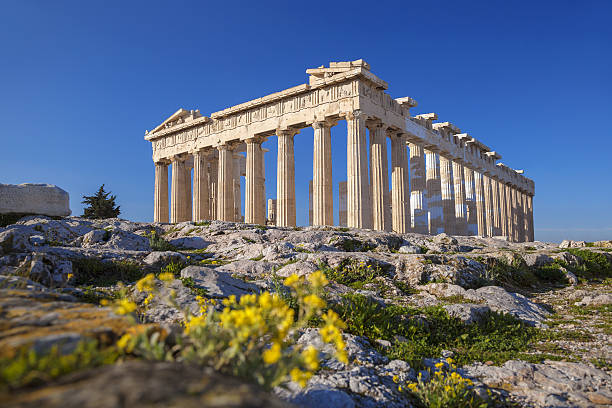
<point>43,199</point>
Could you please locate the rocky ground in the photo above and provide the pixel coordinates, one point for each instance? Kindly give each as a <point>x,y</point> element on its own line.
<point>528,323</point>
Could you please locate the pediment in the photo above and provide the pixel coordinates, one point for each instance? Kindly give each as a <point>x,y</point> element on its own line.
<point>180,116</point>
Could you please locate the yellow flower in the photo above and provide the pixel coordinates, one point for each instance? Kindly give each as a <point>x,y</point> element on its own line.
<point>105,302</point>
<point>395,379</point>
<point>291,280</point>
<point>399,388</point>
<point>146,284</point>
<point>193,322</point>
<point>149,299</point>
<point>124,342</point>
<point>412,386</point>
<point>318,279</point>
<point>231,300</point>
<point>440,365</point>
<point>166,276</point>
<point>342,356</point>
<point>125,306</point>
<point>273,354</point>
<point>314,301</point>
<point>69,276</point>
<point>311,358</point>
<point>300,377</point>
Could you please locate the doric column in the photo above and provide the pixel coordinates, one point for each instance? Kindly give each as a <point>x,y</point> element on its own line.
<point>359,213</point>
<point>272,211</point>
<point>503,209</point>
<point>322,187</point>
<point>225,184</point>
<point>509,213</point>
<point>213,179</point>
<point>160,202</point>
<point>521,205</point>
<point>448,195</point>
<point>515,214</point>
<point>342,204</point>
<point>434,192</point>
<point>530,230</point>
<point>470,201</point>
<point>495,207</point>
<point>201,197</point>
<point>400,199</point>
<point>379,177</point>
<point>178,190</point>
<point>480,204</point>
<point>460,206</point>
<point>188,207</point>
<point>418,205</point>
<point>253,209</point>
<point>488,202</point>
<point>237,171</point>
<point>285,179</point>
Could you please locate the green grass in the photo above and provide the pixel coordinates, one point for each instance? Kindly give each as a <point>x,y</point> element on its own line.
<point>94,272</point>
<point>352,273</point>
<point>28,368</point>
<point>427,331</point>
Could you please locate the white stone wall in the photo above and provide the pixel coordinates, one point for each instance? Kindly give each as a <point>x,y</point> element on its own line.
<point>44,199</point>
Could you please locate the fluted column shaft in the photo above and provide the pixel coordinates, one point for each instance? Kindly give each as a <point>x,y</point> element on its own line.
<point>495,207</point>
<point>188,207</point>
<point>530,229</point>
<point>418,205</point>
<point>510,213</point>
<point>434,192</point>
<point>322,187</point>
<point>201,197</point>
<point>480,204</point>
<point>225,184</point>
<point>522,218</point>
<point>213,180</point>
<point>460,206</point>
<point>470,201</point>
<point>359,214</point>
<point>236,168</point>
<point>488,203</point>
<point>515,215</point>
<point>253,209</point>
<point>400,198</point>
<point>285,179</point>
<point>379,176</point>
<point>160,202</point>
<point>177,191</point>
<point>503,209</point>
<point>448,196</point>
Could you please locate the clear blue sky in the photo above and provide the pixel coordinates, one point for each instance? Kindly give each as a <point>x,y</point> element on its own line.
<point>80,81</point>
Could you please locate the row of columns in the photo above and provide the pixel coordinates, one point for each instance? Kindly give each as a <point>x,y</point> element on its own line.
<point>429,192</point>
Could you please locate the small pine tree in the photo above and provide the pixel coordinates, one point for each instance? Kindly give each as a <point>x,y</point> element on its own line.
<point>100,205</point>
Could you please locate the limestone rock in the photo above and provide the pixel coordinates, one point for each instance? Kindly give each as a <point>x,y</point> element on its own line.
<point>44,199</point>
<point>299,268</point>
<point>140,384</point>
<point>467,312</point>
<point>217,284</point>
<point>160,258</point>
<point>189,242</point>
<point>572,244</point>
<point>599,300</point>
<point>409,249</point>
<point>121,239</point>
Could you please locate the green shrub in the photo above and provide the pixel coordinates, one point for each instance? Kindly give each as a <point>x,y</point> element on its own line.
<point>31,368</point>
<point>596,265</point>
<point>158,243</point>
<point>91,271</point>
<point>352,273</point>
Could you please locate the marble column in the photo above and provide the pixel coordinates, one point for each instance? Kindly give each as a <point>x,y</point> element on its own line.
<point>272,211</point>
<point>285,179</point>
<point>213,179</point>
<point>322,187</point>
<point>509,213</point>
<point>379,175</point>
<point>495,207</point>
<point>359,214</point>
<point>237,171</point>
<point>480,204</point>
<point>160,205</point>
<point>530,229</point>
<point>515,214</point>
<point>470,201</point>
<point>201,197</point>
<point>434,192</point>
<point>488,204</point>
<point>177,191</point>
<point>188,207</point>
<point>448,195</point>
<point>254,212</point>
<point>521,205</point>
<point>418,205</point>
<point>503,209</point>
<point>225,184</point>
<point>400,198</point>
<point>460,205</point>
<point>342,204</point>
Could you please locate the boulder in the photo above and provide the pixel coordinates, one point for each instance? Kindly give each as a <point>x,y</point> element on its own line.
<point>44,199</point>
<point>467,312</point>
<point>160,258</point>
<point>189,243</point>
<point>572,244</point>
<point>217,284</point>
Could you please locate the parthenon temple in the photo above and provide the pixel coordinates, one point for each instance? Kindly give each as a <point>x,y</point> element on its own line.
<point>442,180</point>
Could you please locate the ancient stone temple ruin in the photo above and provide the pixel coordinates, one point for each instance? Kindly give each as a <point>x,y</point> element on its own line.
<point>442,180</point>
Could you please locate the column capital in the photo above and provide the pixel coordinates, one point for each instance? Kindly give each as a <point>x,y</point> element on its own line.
<point>163,162</point>
<point>255,140</point>
<point>356,114</point>
<point>325,123</point>
<point>178,158</point>
<point>287,132</point>
<point>373,123</point>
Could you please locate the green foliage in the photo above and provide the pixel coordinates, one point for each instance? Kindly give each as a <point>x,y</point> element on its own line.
<point>355,245</point>
<point>101,205</point>
<point>174,268</point>
<point>158,243</point>
<point>30,368</point>
<point>190,283</point>
<point>352,273</point>
<point>416,333</point>
<point>92,271</point>
<point>596,265</point>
